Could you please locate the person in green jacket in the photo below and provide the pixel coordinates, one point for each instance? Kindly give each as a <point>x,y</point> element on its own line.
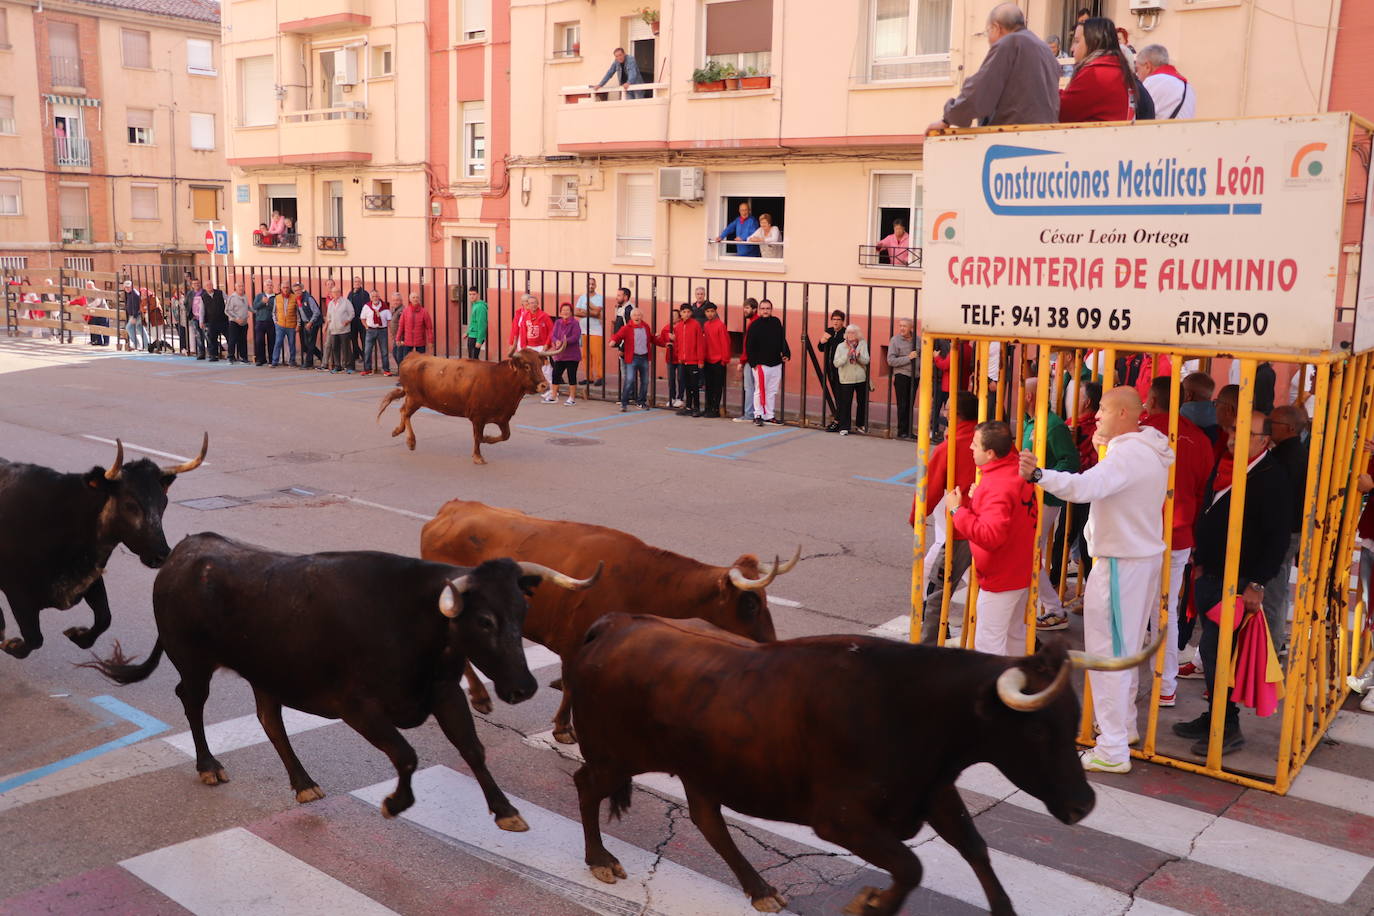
<point>477,324</point>
<point>1062,455</point>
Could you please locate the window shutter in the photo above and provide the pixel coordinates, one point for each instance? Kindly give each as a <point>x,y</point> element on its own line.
<point>9,196</point>
<point>752,184</point>
<point>144,201</point>
<point>933,18</point>
<point>474,16</point>
<point>202,131</point>
<point>4,29</point>
<point>203,203</point>
<point>739,26</point>
<point>62,40</point>
<point>893,191</point>
<point>637,214</point>
<point>137,52</point>
<point>71,207</point>
<point>6,107</point>
<point>140,117</point>
<point>199,56</point>
<point>259,99</point>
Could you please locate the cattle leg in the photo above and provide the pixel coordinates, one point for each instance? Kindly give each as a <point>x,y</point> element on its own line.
<point>408,408</point>
<point>269,714</point>
<point>477,440</point>
<point>381,734</point>
<point>705,813</point>
<point>562,721</point>
<point>30,636</point>
<point>194,691</point>
<point>99,602</point>
<point>455,719</point>
<point>951,820</point>
<point>593,785</point>
<point>477,692</point>
<point>504,426</point>
<point>874,843</point>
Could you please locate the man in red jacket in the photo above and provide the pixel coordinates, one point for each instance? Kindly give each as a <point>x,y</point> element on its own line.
<point>637,347</point>
<point>414,329</point>
<point>717,356</point>
<point>937,476</point>
<point>533,328</point>
<point>1192,468</point>
<point>999,522</point>
<point>689,340</point>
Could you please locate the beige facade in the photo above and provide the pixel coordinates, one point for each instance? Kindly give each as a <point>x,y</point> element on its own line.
<point>832,146</point>
<point>111,123</point>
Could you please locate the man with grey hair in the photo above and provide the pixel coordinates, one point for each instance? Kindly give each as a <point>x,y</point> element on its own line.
<point>1173,96</point>
<point>902,359</point>
<point>1018,82</point>
<point>1285,427</point>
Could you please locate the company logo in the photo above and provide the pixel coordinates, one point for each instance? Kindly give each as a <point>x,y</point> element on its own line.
<point>946,227</point>
<point>1306,162</point>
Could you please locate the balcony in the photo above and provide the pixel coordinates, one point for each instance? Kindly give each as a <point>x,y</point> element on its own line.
<point>75,235</point>
<point>588,120</point>
<point>66,72</point>
<point>329,242</point>
<point>285,240</point>
<point>888,256</point>
<point>326,135</point>
<point>311,16</point>
<point>74,151</point>
<point>382,202</point>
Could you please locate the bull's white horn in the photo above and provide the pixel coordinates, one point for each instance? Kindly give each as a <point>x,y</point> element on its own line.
<point>1011,689</point>
<point>561,579</point>
<point>790,564</point>
<point>1108,663</point>
<point>114,471</point>
<point>451,598</point>
<point>194,462</point>
<point>740,580</point>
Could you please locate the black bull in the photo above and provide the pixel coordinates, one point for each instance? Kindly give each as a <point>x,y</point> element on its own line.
<point>57,532</point>
<point>377,640</point>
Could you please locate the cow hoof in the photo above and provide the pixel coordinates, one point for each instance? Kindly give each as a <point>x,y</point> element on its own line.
<point>307,795</point>
<point>565,735</point>
<point>478,459</point>
<point>214,777</point>
<point>556,684</point>
<point>607,874</point>
<point>16,647</point>
<point>512,822</point>
<point>81,636</point>
<point>410,444</point>
<point>481,704</point>
<point>392,806</point>
<point>866,903</point>
<point>773,903</point>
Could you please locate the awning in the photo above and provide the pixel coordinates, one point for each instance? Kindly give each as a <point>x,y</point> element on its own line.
<point>71,100</point>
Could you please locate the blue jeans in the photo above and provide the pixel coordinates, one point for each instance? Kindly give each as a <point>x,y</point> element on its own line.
<point>375,338</point>
<point>637,370</point>
<point>283,336</point>
<point>402,351</point>
<point>748,390</point>
<point>137,332</point>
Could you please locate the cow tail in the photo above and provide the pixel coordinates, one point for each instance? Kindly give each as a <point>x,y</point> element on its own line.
<point>120,669</point>
<point>394,394</point>
<point>620,799</point>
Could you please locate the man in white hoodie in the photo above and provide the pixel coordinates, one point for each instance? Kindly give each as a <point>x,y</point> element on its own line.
<point>1125,533</point>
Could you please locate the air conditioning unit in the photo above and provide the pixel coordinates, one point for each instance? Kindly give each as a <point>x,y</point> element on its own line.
<point>681,183</point>
<point>1147,6</point>
<point>346,67</point>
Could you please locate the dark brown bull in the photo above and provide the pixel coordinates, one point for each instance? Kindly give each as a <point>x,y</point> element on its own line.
<point>863,755</point>
<point>637,577</point>
<point>481,391</point>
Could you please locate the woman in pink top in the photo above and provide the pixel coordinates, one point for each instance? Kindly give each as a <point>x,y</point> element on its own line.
<point>897,245</point>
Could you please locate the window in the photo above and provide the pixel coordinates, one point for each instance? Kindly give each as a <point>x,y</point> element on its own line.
<point>204,203</point>
<point>73,214</point>
<point>200,57</point>
<point>475,19</point>
<point>634,225</point>
<point>64,55</point>
<point>280,199</point>
<point>381,197</point>
<point>137,48</point>
<point>567,39</point>
<point>7,122</point>
<point>564,200</point>
<point>764,192</point>
<point>5,34</point>
<point>143,199</point>
<point>202,131</point>
<point>474,140</point>
<point>11,197</point>
<point>140,122</point>
<point>86,264</point>
<point>334,210</point>
<point>740,33</point>
<point>381,61</point>
<point>257,92</point>
<point>910,39</point>
<point>896,196</point>
<point>13,263</point>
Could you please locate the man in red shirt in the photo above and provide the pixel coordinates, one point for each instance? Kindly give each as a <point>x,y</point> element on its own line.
<point>533,328</point>
<point>966,417</point>
<point>689,343</point>
<point>717,356</point>
<point>998,520</point>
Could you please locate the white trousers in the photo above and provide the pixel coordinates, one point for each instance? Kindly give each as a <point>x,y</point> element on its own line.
<point>1001,628</point>
<point>1049,595</point>
<point>1137,589</point>
<point>766,379</point>
<point>1178,559</point>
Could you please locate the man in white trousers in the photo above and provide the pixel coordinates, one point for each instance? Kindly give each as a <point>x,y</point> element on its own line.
<point>1125,533</point>
<point>765,349</point>
<point>998,521</point>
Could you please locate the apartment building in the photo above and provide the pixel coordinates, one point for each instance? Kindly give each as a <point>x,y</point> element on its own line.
<point>110,132</point>
<point>821,125</point>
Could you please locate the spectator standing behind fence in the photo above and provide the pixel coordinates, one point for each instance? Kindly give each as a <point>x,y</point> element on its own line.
<point>750,308</point>
<point>691,350</point>
<point>1197,403</point>
<point>214,320</point>
<point>903,360</point>
<point>1018,82</point>
<point>895,248</point>
<point>414,329</point>
<point>851,363</point>
<point>1060,455</point>
<point>264,334</point>
<point>636,340</point>
<point>769,235</point>
<point>376,316</point>
<point>834,337</point>
<point>1285,428</point>
<point>285,319</point>
<point>566,350</point>
<point>357,297</point>
<point>590,308</point>
<point>625,71</point>
<point>717,357</point>
<point>477,323</point>
<point>1103,87</point>
<point>1174,97</point>
<point>699,304</point>
<point>668,340</point>
<point>533,328</point>
<point>765,346</point>
<point>1126,534</point>
<point>937,479</point>
<point>740,229</point>
<point>236,315</point>
<point>194,309</point>
<point>340,329</point>
<point>133,311</point>
<point>310,319</point>
<point>997,519</point>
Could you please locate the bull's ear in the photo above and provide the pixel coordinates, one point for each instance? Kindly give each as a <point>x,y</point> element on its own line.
<point>96,480</point>
<point>167,480</point>
<point>529,583</point>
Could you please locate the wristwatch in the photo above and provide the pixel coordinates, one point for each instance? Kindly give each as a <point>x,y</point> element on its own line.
<point>1036,475</point>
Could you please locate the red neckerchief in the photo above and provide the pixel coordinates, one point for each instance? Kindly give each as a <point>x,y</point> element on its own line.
<point>1168,70</point>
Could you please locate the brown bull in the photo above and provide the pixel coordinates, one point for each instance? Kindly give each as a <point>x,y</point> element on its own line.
<point>638,577</point>
<point>481,391</point>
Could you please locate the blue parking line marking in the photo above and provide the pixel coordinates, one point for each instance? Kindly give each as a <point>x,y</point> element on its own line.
<point>330,394</point>
<point>900,479</point>
<point>715,451</point>
<point>614,421</point>
<point>147,728</point>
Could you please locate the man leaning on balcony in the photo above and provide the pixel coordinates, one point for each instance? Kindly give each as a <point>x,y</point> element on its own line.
<point>626,71</point>
<point>740,229</point>
<point>1018,82</point>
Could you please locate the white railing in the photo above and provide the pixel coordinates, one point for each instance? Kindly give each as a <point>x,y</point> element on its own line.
<point>634,92</point>
<point>353,112</point>
<point>563,206</point>
<point>731,249</point>
<point>72,150</point>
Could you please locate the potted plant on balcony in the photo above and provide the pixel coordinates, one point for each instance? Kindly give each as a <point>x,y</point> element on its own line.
<point>731,76</point>
<point>650,16</point>
<point>710,78</point>
<point>752,79</point>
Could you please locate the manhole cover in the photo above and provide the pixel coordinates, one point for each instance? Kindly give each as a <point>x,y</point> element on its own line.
<point>301,457</point>
<point>574,440</point>
<point>207,503</point>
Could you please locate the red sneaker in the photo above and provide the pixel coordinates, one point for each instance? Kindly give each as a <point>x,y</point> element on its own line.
<point>366,372</point>
<point>388,373</point>
<point>1190,670</point>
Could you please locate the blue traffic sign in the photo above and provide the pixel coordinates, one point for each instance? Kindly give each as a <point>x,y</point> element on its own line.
<point>221,241</point>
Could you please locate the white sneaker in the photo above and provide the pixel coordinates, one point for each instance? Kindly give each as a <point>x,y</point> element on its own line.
<point>1360,684</point>
<point>570,402</point>
<point>1367,704</point>
<point>742,419</point>
<point>679,403</point>
<point>1094,764</point>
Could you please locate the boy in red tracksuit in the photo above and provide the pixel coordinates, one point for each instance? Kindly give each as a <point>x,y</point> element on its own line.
<point>717,342</point>
<point>667,339</point>
<point>690,347</point>
<point>966,418</point>
<point>998,519</point>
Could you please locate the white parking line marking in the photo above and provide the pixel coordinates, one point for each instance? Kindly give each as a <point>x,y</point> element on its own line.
<point>141,448</point>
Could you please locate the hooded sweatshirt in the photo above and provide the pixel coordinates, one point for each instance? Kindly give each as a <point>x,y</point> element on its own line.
<point>1126,489</point>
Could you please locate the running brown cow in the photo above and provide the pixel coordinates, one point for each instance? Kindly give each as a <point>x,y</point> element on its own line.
<point>638,577</point>
<point>481,391</point>
<point>864,755</point>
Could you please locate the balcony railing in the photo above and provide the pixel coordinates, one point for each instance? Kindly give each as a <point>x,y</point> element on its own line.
<point>888,256</point>
<point>75,234</point>
<point>66,71</point>
<point>354,111</point>
<point>379,201</point>
<point>285,240</point>
<point>635,92</point>
<point>72,150</point>
<point>329,242</point>
<point>735,251</point>
<point>564,206</point>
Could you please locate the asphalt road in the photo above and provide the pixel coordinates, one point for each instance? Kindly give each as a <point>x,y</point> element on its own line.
<point>101,809</point>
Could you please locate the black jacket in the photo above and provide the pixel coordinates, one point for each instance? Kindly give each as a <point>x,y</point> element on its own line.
<point>1291,454</point>
<point>765,343</point>
<point>133,304</point>
<point>827,347</point>
<point>212,302</point>
<point>1264,534</point>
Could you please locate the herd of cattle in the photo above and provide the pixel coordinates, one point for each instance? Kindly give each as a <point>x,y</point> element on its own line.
<point>669,665</point>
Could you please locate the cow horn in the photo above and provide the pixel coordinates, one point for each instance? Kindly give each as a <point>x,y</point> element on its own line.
<point>1108,663</point>
<point>790,564</point>
<point>1011,689</point>
<point>561,579</point>
<point>740,580</point>
<point>194,462</point>
<point>451,599</point>
<point>115,469</point>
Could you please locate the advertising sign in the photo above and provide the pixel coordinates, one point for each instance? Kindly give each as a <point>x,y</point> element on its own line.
<point>1223,235</point>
